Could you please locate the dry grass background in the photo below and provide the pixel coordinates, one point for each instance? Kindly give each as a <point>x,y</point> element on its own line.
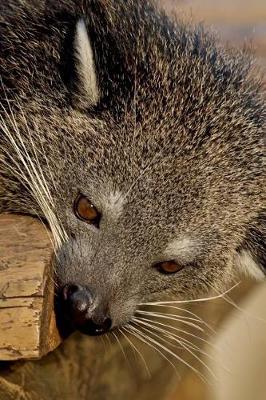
<point>236,22</point>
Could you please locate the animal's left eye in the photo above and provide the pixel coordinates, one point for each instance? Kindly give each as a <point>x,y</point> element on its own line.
<point>169,267</point>
<point>86,211</point>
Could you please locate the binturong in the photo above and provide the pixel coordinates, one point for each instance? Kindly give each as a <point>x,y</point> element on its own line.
<point>140,142</point>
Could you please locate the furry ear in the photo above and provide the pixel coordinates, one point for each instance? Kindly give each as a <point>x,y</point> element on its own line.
<point>87,93</point>
<point>249,266</point>
<point>251,255</point>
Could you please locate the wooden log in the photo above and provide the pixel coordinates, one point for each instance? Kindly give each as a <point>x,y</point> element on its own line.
<point>27,320</point>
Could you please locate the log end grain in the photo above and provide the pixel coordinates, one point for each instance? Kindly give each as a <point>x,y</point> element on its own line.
<point>27,319</point>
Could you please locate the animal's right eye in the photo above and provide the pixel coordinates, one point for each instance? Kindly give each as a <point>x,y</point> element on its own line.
<point>169,267</point>
<point>86,211</point>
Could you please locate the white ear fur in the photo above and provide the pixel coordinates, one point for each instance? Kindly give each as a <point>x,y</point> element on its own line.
<point>248,266</point>
<point>85,65</point>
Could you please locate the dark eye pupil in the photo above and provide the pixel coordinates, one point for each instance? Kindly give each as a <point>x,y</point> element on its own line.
<point>86,211</point>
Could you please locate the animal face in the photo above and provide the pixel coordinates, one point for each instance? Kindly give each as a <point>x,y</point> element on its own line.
<point>140,228</point>
<point>151,178</point>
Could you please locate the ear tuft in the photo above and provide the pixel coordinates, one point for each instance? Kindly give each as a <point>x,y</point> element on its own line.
<point>247,265</point>
<point>88,91</point>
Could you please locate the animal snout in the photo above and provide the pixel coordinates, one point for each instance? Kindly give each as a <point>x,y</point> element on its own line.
<point>83,313</point>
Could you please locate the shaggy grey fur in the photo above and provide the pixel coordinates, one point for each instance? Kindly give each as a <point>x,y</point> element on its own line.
<point>178,132</point>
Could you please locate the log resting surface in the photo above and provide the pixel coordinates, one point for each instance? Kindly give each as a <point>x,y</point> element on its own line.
<point>27,321</point>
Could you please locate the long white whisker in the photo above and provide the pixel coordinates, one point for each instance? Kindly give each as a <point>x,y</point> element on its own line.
<point>137,351</point>
<point>42,179</point>
<point>181,342</point>
<point>184,310</point>
<point>109,340</point>
<point>145,339</point>
<point>171,317</point>
<point>36,187</point>
<point>174,336</point>
<point>174,355</point>
<point>37,181</point>
<point>121,347</point>
<point>230,301</point>
<point>219,296</point>
<point>183,331</point>
<point>31,170</point>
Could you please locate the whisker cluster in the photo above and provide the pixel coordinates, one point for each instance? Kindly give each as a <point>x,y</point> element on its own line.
<point>27,169</point>
<point>158,325</point>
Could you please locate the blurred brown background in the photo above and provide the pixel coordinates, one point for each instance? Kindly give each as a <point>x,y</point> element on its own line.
<point>236,22</point>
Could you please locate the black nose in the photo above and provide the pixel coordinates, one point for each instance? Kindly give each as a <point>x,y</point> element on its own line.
<point>79,308</point>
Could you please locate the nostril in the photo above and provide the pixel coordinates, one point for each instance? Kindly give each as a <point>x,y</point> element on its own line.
<point>69,290</point>
<point>79,309</point>
<point>77,301</point>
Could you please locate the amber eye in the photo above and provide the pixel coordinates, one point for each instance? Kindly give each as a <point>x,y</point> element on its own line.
<point>86,211</point>
<point>169,267</point>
